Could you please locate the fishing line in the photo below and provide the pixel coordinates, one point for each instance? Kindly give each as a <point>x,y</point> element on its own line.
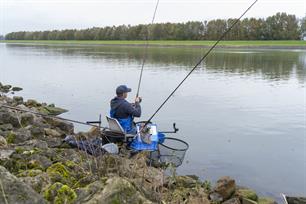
<point>201,60</point>
<point>146,49</point>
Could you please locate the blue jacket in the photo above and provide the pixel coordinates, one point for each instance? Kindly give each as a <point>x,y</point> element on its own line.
<point>124,109</point>
<point>124,112</point>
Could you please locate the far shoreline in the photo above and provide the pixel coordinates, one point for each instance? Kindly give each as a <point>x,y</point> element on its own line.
<point>273,44</point>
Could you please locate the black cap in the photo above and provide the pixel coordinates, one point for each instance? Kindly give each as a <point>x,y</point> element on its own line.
<point>122,89</point>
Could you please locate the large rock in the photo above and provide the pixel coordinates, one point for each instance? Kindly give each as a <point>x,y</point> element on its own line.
<point>185,195</point>
<point>9,117</point>
<point>40,160</point>
<point>118,190</point>
<point>50,110</point>
<point>19,136</point>
<point>66,127</point>
<point>60,193</point>
<point>52,132</point>
<point>232,201</point>
<point>215,197</point>
<point>87,193</point>
<point>6,127</point>
<point>37,131</point>
<point>185,181</point>
<point>69,173</point>
<point>36,144</point>
<point>248,201</point>
<point>26,119</point>
<point>16,88</point>
<point>32,103</point>
<point>225,186</point>
<point>5,88</point>
<point>197,200</point>
<point>264,200</point>
<point>26,158</point>
<point>18,100</point>
<point>5,154</point>
<point>15,191</point>
<point>246,193</point>
<point>35,178</point>
<point>3,142</point>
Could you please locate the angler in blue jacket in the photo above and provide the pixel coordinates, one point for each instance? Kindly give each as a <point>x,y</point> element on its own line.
<point>124,111</point>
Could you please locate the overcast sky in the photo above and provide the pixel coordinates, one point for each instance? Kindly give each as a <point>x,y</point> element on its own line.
<point>17,15</point>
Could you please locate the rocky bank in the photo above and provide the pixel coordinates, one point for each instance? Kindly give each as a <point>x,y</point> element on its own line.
<point>36,166</point>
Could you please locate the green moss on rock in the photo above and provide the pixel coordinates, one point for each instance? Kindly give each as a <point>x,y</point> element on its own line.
<point>30,173</point>
<point>266,201</point>
<point>59,193</point>
<point>34,164</point>
<point>247,193</point>
<point>70,164</point>
<point>59,173</point>
<point>19,150</point>
<point>10,138</point>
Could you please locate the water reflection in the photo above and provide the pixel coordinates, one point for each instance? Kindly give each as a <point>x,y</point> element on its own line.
<point>269,64</point>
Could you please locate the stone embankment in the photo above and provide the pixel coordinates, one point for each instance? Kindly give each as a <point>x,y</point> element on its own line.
<point>36,166</point>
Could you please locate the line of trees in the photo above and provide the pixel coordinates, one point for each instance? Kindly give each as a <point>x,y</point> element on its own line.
<point>1,37</point>
<point>280,26</point>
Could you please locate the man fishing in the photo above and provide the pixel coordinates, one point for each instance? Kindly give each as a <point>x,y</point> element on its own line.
<point>124,111</point>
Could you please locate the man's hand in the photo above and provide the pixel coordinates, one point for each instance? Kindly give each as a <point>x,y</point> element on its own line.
<point>138,99</point>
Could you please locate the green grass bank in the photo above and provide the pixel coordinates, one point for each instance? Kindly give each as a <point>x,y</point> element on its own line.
<point>230,44</point>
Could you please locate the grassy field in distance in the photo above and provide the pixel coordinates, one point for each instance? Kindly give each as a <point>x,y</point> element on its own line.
<point>255,43</point>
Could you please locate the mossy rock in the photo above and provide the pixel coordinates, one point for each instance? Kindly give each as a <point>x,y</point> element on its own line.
<point>43,110</point>
<point>244,201</point>
<point>34,164</point>
<point>118,190</point>
<point>7,86</point>
<point>18,165</point>
<point>19,150</point>
<point>32,103</point>
<point>59,173</point>
<point>70,164</point>
<point>16,191</point>
<point>39,183</point>
<point>26,119</point>
<point>16,88</point>
<point>87,192</point>
<point>30,173</point>
<point>49,110</point>
<point>186,181</point>
<point>59,193</point>
<point>27,150</point>
<point>3,142</point>
<point>11,137</point>
<point>265,200</point>
<point>179,194</point>
<point>247,193</point>
<point>6,127</point>
<point>55,110</point>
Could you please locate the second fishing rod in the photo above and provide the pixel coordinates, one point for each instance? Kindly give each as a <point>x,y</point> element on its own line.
<point>146,49</point>
<point>199,62</point>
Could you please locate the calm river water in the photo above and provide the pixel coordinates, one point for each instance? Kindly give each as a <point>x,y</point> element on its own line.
<point>243,112</point>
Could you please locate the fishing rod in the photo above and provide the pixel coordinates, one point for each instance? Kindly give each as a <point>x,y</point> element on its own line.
<point>146,50</point>
<point>89,123</point>
<point>200,61</point>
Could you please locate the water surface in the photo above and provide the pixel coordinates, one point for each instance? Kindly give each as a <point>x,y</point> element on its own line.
<point>242,112</point>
